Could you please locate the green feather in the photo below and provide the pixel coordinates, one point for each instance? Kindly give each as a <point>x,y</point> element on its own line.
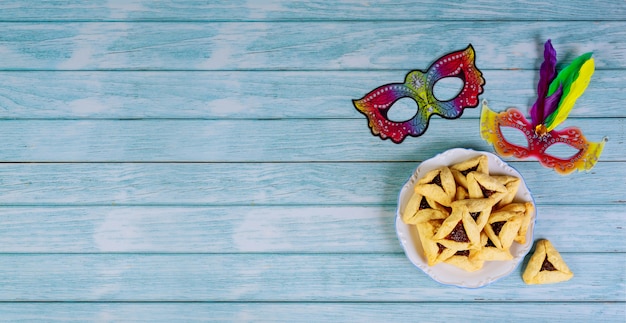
<point>565,79</point>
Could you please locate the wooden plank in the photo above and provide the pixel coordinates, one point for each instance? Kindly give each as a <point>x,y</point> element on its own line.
<point>144,10</point>
<point>256,94</point>
<point>282,277</point>
<point>345,45</point>
<point>267,184</point>
<point>291,140</point>
<point>318,312</point>
<point>290,229</point>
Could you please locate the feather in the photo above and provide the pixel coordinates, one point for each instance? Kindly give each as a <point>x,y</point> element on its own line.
<point>551,103</point>
<point>568,73</point>
<point>546,75</point>
<point>576,78</point>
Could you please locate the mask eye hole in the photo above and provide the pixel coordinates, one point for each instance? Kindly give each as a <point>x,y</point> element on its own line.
<point>561,151</point>
<point>514,136</point>
<point>402,110</point>
<point>448,88</point>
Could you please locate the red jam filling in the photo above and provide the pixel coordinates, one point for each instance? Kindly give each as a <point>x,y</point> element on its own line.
<point>458,234</point>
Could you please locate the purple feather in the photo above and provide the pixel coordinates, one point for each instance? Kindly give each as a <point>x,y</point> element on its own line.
<point>547,73</point>
<point>552,102</point>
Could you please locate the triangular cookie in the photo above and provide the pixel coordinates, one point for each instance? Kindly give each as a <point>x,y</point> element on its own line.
<point>459,231</point>
<point>546,266</point>
<point>481,185</point>
<point>434,252</point>
<point>464,259</point>
<point>529,210</point>
<point>420,209</point>
<point>477,164</point>
<point>489,252</point>
<point>479,210</point>
<point>525,211</point>
<point>437,185</point>
<point>502,228</point>
<point>511,184</point>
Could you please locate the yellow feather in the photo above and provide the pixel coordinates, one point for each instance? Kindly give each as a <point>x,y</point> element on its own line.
<point>576,90</point>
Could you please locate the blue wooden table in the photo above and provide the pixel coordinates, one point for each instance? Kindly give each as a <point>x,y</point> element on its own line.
<point>190,160</point>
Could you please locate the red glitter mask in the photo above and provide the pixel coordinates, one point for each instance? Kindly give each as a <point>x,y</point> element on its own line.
<point>556,96</point>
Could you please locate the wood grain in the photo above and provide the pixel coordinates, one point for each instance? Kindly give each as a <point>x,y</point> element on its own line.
<point>202,160</point>
<point>273,140</point>
<point>282,277</point>
<point>145,10</point>
<point>256,94</point>
<point>316,311</point>
<point>265,229</point>
<point>266,46</point>
<point>247,184</point>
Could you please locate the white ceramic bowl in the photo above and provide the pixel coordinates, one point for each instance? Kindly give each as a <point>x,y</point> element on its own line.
<point>446,273</point>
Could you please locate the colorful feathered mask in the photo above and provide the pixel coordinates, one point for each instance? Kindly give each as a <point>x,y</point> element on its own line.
<point>556,95</point>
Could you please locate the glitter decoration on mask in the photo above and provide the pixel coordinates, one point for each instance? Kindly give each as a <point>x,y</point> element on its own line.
<point>418,85</point>
<point>557,93</point>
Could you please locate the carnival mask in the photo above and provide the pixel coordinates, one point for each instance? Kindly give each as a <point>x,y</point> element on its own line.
<point>418,85</point>
<point>556,95</point>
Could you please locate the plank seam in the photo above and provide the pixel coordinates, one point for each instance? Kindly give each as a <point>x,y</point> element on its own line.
<point>482,301</point>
